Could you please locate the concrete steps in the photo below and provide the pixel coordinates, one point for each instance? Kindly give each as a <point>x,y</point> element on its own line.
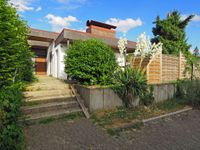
<point>50,98</point>
<point>46,93</point>
<point>32,118</point>
<point>49,107</point>
<point>40,87</point>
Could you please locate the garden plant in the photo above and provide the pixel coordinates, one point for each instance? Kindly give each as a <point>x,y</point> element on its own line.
<point>15,70</point>
<point>131,83</point>
<point>90,62</point>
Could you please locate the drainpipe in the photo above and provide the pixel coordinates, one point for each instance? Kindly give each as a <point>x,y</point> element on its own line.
<point>68,43</point>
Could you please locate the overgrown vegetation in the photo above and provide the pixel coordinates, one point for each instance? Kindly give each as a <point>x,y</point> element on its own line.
<point>114,119</point>
<point>15,56</point>
<point>11,134</point>
<point>15,69</point>
<point>90,62</point>
<point>188,91</point>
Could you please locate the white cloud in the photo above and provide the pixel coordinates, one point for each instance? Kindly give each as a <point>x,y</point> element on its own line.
<point>21,5</point>
<point>58,23</point>
<point>124,25</point>
<point>196,17</point>
<point>38,9</point>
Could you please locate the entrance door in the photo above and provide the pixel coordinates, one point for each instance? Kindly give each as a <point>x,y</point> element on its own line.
<point>40,66</point>
<point>40,61</point>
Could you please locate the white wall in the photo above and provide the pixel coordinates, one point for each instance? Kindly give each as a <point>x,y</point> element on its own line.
<point>56,67</point>
<point>48,58</point>
<point>62,74</point>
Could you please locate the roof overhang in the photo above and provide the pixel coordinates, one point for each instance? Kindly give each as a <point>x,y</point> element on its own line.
<point>68,34</point>
<point>41,35</point>
<point>38,44</point>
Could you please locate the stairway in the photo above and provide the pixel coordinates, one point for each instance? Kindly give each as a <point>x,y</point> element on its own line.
<point>49,97</point>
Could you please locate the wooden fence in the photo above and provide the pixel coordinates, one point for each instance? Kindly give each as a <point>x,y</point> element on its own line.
<point>164,68</point>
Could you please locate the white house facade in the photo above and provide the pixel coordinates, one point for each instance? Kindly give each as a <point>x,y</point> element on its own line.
<point>50,47</point>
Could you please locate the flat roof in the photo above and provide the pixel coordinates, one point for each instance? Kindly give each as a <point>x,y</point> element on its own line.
<point>42,36</point>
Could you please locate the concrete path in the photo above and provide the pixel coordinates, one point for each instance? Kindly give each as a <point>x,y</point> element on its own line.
<point>178,133</point>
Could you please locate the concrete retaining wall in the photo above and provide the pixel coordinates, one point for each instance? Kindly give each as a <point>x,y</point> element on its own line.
<point>98,98</point>
<point>164,92</point>
<point>105,98</point>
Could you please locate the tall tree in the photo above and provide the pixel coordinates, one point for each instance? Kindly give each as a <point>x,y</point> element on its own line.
<point>171,32</point>
<point>196,51</point>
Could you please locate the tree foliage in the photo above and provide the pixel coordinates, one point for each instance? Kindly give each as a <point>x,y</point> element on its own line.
<point>15,55</point>
<point>171,32</point>
<point>90,62</point>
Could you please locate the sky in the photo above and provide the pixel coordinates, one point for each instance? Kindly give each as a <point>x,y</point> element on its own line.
<point>130,16</point>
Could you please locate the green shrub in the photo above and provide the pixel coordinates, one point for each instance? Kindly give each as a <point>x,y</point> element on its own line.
<point>11,134</point>
<point>129,84</point>
<point>189,91</point>
<point>90,62</point>
<point>15,55</point>
<point>15,69</point>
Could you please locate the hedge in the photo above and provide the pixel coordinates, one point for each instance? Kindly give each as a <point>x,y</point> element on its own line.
<point>15,69</point>
<point>11,133</point>
<point>90,62</point>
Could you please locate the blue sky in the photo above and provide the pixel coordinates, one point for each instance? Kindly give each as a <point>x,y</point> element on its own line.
<point>132,17</point>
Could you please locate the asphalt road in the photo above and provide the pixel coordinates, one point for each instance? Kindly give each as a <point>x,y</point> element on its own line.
<point>181,132</point>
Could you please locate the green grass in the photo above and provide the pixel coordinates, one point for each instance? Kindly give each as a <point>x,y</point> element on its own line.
<point>30,103</point>
<point>168,105</point>
<point>137,125</point>
<point>112,132</point>
<point>68,117</point>
<point>47,120</point>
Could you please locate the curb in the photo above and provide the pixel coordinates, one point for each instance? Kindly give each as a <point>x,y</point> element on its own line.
<point>166,115</point>
<point>144,121</point>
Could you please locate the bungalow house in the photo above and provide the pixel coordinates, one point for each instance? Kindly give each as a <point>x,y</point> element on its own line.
<point>50,47</point>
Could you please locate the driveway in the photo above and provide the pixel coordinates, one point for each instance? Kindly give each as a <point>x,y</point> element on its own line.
<point>180,132</point>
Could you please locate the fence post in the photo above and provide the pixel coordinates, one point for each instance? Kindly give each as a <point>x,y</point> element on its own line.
<point>180,65</point>
<point>161,69</point>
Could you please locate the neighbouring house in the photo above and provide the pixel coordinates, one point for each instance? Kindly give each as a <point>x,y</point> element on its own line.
<point>50,47</point>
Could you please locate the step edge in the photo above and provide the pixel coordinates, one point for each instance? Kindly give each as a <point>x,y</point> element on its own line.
<point>45,105</point>
<point>58,113</point>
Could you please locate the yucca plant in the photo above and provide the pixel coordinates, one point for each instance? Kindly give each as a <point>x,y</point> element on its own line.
<point>129,84</point>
